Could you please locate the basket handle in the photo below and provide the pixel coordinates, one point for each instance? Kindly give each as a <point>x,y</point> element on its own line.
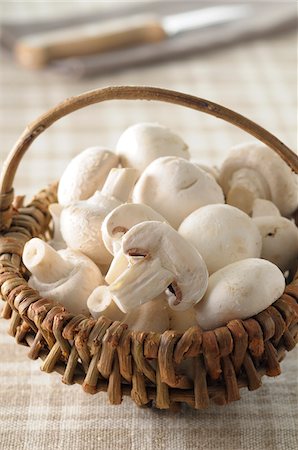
<point>126,93</point>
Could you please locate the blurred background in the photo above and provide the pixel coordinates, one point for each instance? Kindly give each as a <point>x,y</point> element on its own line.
<point>240,54</point>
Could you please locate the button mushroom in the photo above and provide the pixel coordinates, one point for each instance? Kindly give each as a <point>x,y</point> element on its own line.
<point>253,171</point>
<point>85,174</point>
<point>222,235</point>
<point>142,143</point>
<point>279,240</point>
<point>175,187</point>
<point>149,317</point>
<point>65,276</point>
<point>115,225</point>
<point>238,291</point>
<point>100,303</point>
<point>81,221</point>
<point>160,258</point>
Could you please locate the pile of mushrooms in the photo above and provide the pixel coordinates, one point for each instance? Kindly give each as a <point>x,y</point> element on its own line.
<point>148,237</point>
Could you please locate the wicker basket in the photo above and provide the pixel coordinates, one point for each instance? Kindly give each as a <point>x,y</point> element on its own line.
<point>106,356</point>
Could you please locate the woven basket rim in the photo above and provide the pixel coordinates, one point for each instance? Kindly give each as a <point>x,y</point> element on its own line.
<point>116,359</point>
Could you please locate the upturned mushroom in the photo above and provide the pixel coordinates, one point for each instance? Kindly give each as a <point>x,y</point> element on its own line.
<point>122,219</point>
<point>115,225</point>
<point>142,143</point>
<point>85,174</point>
<point>81,221</point>
<point>57,242</point>
<point>66,276</point>
<point>253,171</point>
<point>159,258</point>
<point>222,235</point>
<point>149,317</point>
<point>279,240</point>
<point>100,303</point>
<point>238,291</point>
<point>175,188</point>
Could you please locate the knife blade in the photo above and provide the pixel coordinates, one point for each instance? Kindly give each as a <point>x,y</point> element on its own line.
<point>37,50</point>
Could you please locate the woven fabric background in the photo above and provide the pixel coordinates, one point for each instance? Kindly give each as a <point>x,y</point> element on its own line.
<point>37,412</point>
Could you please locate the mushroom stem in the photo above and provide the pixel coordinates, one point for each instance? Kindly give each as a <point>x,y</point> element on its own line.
<point>117,267</point>
<point>140,283</point>
<point>57,242</point>
<point>263,207</point>
<point>44,262</point>
<point>246,185</point>
<point>151,316</point>
<point>100,303</point>
<point>119,183</point>
<point>182,320</point>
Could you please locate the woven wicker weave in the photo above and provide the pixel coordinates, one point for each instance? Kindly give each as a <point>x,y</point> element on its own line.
<point>106,356</point>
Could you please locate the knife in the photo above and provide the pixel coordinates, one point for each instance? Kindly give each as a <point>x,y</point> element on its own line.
<point>37,50</point>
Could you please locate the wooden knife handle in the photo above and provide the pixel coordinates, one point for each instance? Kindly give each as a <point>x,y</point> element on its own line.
<point>35,51</point>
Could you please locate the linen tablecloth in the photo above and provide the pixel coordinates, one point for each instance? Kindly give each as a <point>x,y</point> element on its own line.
<point>37,411</point>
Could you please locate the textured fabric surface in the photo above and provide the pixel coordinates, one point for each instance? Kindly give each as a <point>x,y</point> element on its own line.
<point>37,411</point>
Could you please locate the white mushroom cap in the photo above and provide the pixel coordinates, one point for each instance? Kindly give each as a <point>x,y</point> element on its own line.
<point>238,291</point>
<point>122,219</point>
<point>100,303</point>
<point>81,221</point>
<point>280,240</point>
<point>252,170</point>
<point>175,187</point>
<point>263,207</point>
<point>85,174</point>
<point>222,235</point>
<point>160,257</point>
<point>142,143</point>
<point>150,317</point>
<point>66,276</point>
